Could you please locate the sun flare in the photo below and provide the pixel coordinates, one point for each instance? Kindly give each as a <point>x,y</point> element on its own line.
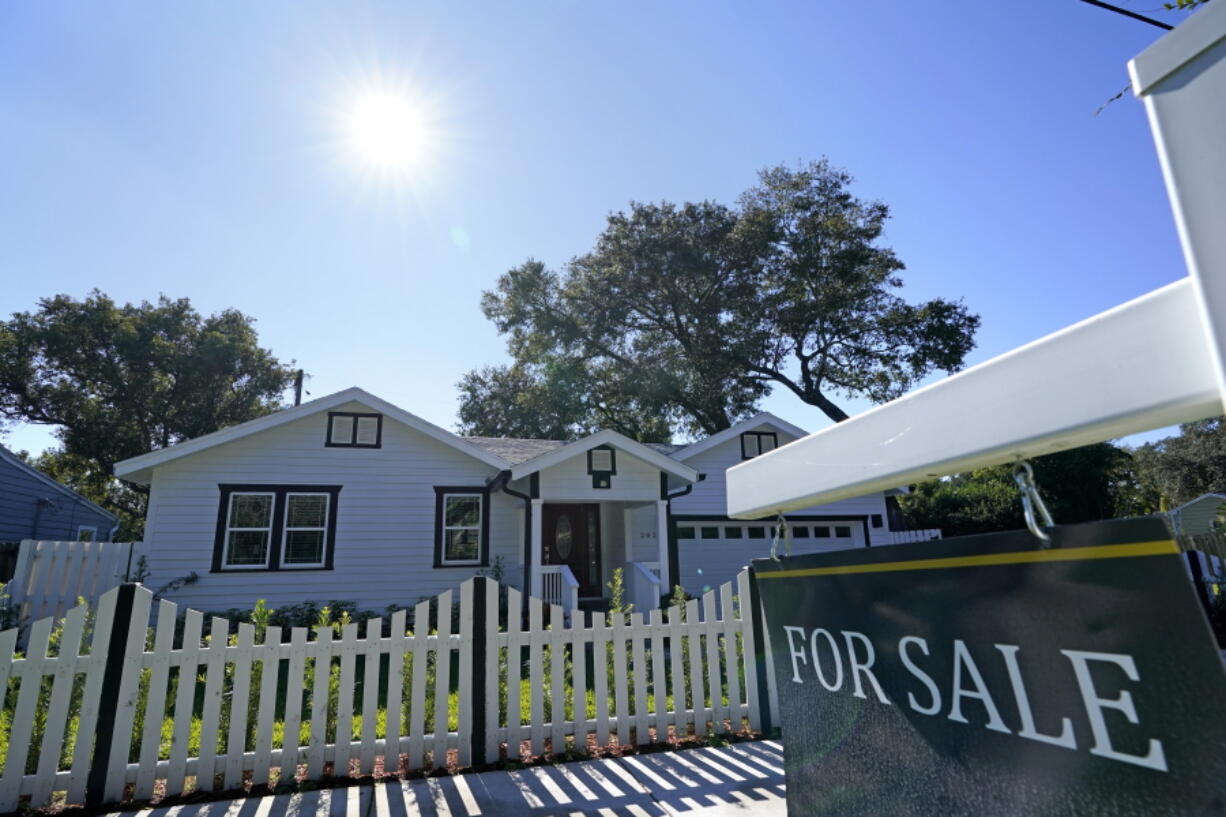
<point>387,131</point>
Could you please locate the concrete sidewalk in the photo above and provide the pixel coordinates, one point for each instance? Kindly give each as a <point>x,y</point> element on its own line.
<point>742,779</point>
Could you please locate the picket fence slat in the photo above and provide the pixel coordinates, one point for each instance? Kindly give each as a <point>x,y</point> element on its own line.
<point>344,698</point>
<point>578,654</point>
<point>489,749</point>
<point>270,669</point>
<point>240,700</point>
<point>395,686</point>
<point>417,722</point>
<point>600,654</point>
<point>442,681</point>
<point>694,667</point>
<point>370,697</point>
<point>155,704</point>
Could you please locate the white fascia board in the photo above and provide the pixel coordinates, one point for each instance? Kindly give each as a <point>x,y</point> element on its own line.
<point>1142,365</point>
<point>606,437</point>
<point>139,469</point>
<point>760,419</point>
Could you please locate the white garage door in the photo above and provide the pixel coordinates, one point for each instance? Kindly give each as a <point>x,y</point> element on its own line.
<point>711,553</point>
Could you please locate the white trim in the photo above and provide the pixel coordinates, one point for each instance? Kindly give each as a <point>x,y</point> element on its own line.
<point>606,437</point>
<point>764,418</point>
<point>12,459</point>
<point>225,541</point>
<point>1145,364</point>
<point>444,527</point>
<point>139,469</point>
<point>285,529</point>
<point>93,529</point>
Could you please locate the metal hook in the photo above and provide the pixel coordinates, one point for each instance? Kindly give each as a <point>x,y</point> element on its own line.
<point>781,528</point>
<point>1023,475</point>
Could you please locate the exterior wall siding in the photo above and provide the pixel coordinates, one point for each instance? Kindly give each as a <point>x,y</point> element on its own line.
<point>20,493</point>
<point>384,528</point>
<point>570,481</point>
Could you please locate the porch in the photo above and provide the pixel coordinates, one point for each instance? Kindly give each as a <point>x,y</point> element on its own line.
<point>575,547</point>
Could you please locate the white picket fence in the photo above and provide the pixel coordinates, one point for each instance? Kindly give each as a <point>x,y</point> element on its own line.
<point>113,720</point>
<point>51,576</point>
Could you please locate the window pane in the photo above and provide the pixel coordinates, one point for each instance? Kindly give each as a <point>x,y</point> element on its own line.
<point>563,538</point>
<point>733,532</point>
<point>821,532</point>
<point>710,533</point>
<point>801,532</point>
<point>602,459</point>
<point>342,430</point>
<point>461,545</point>
<point>250,510</point>
<point>685,533</point>
<point>368,430</point>
<point>749,445</point>
<point>85,535</point>
<point>766,442</point>
<point>304,547</point>
<point>842,532</point>
<point>247,547</point>
<point>306,511</point>
<point>757,533</point>
<point>462,510</point>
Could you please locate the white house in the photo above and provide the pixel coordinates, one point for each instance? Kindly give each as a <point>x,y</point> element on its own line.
<point>349,497</point>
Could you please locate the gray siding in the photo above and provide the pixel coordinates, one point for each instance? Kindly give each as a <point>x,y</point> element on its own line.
<point>385,517</point>
<point>59,519</point>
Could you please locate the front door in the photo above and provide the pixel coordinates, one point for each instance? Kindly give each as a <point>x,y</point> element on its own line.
<point>570,536</point>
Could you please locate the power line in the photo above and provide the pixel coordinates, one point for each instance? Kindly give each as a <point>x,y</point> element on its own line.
<point>1128,13</point>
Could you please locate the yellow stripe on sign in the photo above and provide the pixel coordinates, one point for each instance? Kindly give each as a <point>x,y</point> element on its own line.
<point>1164,547</point>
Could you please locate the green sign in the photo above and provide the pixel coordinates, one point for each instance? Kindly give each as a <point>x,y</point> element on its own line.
<point>983,675</point>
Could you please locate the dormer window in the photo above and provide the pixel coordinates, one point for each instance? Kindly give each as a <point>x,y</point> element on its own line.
<point>754,443</point>
<point>602,465</point>
<point>349,429</point>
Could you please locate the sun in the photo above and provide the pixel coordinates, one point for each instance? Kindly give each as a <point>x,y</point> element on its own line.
<point>388,131</point>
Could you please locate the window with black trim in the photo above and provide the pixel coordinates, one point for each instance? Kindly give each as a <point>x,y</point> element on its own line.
<point>351,429</point>
<point>275,527</point>
<point>754,443</point>
<point>602,465</point>
<point>876,520</point>
<point>461,526</point>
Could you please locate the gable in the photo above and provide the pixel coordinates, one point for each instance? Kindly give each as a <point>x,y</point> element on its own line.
<point>355,400</point>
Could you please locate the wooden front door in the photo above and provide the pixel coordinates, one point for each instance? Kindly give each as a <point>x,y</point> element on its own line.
<point>570,536</point>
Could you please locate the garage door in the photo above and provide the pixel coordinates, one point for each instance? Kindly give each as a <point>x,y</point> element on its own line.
<point>711,553</point>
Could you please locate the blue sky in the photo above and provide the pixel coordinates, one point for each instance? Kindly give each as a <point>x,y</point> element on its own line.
<point>199,151</point>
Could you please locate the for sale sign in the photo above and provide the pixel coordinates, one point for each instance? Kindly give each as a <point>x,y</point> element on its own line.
<point>984,675</point>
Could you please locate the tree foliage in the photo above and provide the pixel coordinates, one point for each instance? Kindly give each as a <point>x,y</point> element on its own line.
<point>692,313</point>
<point>119,381</point>
<point>1080,485</point>
<point>1178,469</point>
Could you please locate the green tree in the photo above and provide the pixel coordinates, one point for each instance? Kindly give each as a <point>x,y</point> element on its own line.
<point>1178,469</point>
<point>692,313</point>
<point>1080,485</point>
<point>119,381</point>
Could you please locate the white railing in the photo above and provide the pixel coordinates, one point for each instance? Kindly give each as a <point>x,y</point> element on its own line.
<point>643,585</point>
<point>559,586</point>
<point>637,679</point>
<point>51,576</point>
<point>906,537</point>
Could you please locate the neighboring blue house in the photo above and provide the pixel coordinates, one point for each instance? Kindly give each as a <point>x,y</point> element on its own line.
<point>34,506</point>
